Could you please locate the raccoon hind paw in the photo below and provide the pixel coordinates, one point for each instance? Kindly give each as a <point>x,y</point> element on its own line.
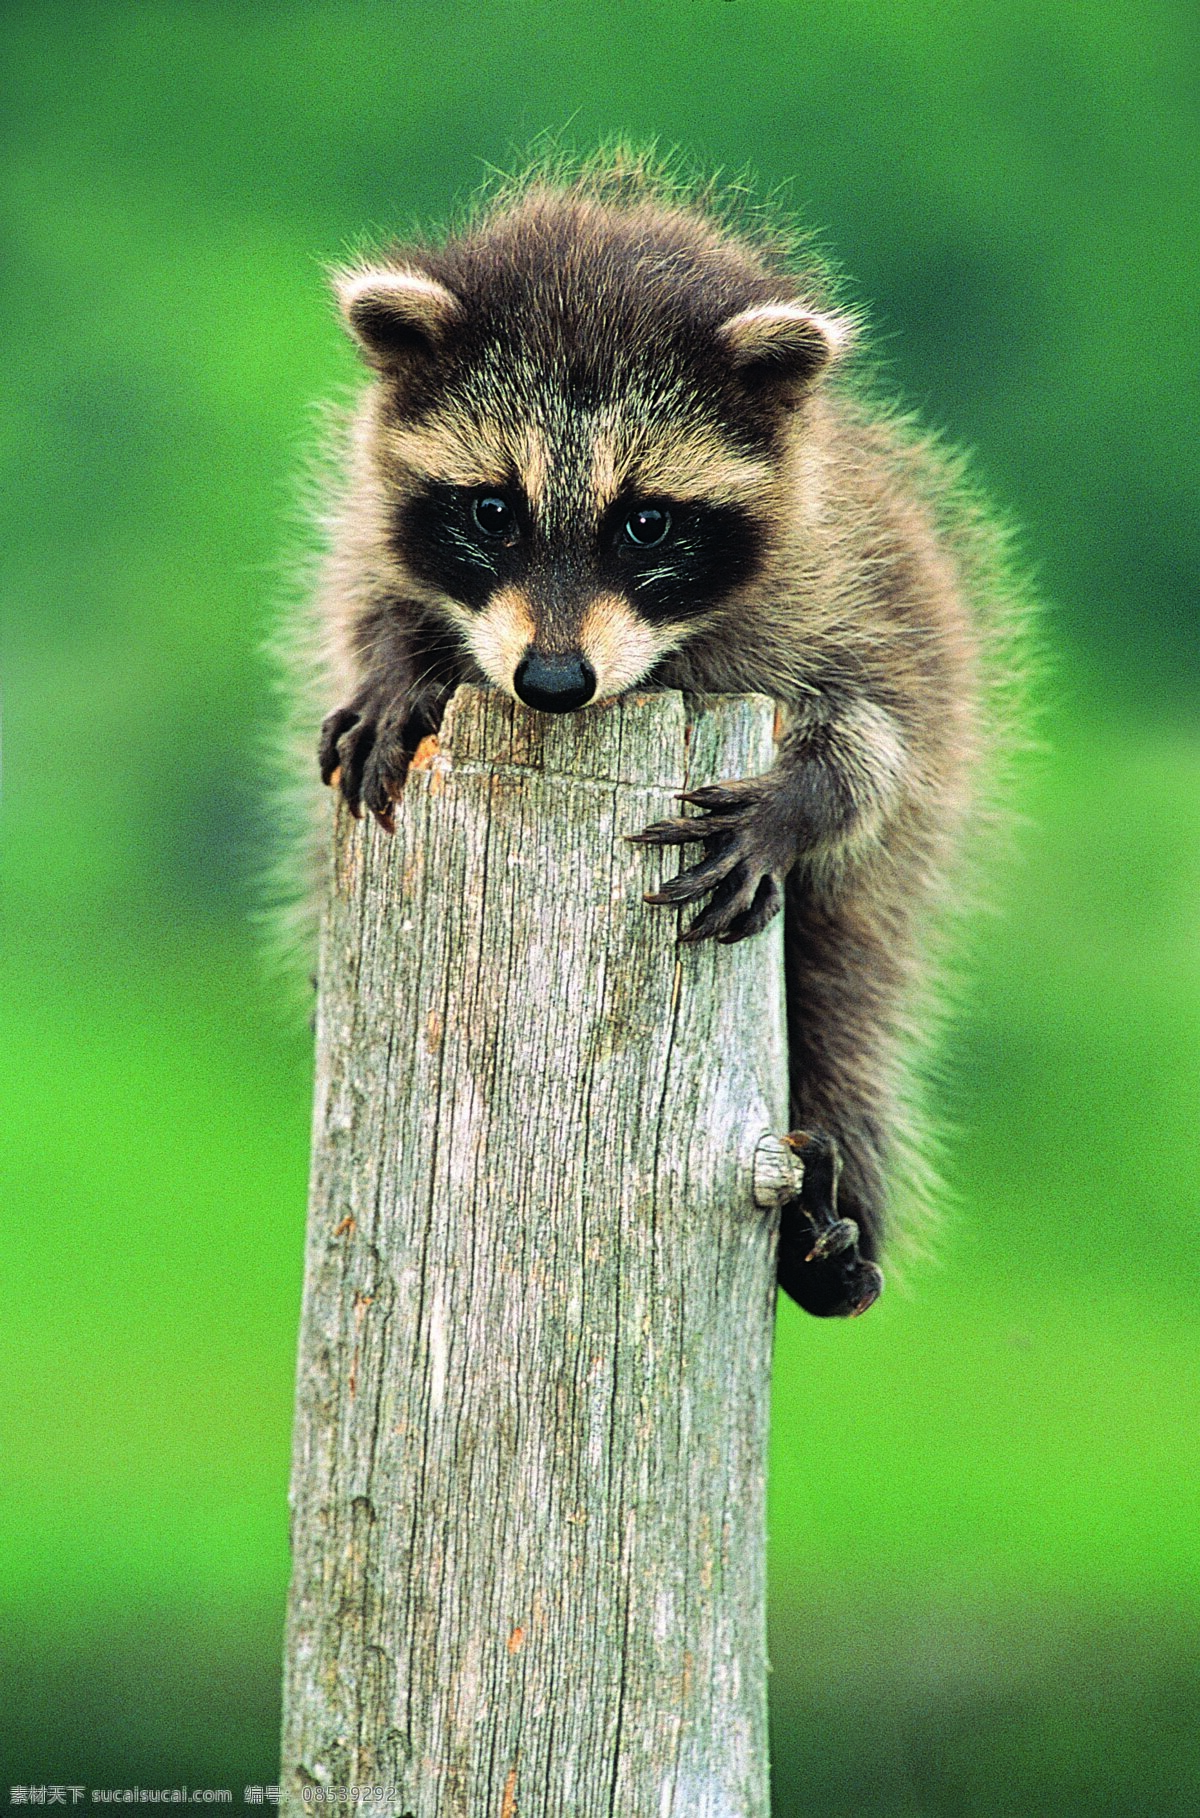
<point>821,1261</point>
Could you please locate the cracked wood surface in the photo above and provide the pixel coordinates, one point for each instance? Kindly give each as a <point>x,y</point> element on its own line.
<point>531,1427</point>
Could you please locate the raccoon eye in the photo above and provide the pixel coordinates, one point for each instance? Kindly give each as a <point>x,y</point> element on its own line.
<point>647,527</point>
<point>493,515</point>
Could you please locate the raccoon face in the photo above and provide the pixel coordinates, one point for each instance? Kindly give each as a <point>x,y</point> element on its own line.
<point>562,595</point>
<point>579,476</point>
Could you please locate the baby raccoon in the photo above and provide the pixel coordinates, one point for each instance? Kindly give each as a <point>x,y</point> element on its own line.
<point>607,445</point>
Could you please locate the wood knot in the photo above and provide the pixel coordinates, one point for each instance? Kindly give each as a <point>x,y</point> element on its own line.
<point>777,1171</point>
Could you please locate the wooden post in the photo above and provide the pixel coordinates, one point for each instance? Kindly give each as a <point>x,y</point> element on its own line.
<point>531,1426</point>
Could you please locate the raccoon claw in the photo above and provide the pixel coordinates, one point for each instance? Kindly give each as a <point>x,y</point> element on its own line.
<point>346,743</point>
<point>747,889</point>
<point>716,795</point>
<point>870,1287</point>
<point>688,885</point>
<point>768,901</point>
<point>332,728</point>
<point>738,908</point>
<point>383,782</point>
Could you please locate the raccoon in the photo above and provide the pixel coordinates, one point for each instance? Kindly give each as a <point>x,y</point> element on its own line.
<point>609,443</point>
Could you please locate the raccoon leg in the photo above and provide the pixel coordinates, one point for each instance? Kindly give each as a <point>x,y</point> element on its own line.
<point>845,967</point>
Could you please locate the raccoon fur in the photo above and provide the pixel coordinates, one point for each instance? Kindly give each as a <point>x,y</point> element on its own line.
<point>609,442</point>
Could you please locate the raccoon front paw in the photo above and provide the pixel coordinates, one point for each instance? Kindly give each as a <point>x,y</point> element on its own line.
<point>744,863</point>
<point>821,1264</point>
<point>366,756</point>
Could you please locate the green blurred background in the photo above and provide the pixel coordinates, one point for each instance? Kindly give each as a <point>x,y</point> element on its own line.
<point>985,1497</point>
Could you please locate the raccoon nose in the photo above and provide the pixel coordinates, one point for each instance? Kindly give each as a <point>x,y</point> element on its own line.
<point>554,684</point>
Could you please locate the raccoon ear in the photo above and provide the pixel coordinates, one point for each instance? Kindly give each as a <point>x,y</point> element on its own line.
<point>784,346</point>
<point>395,314</point>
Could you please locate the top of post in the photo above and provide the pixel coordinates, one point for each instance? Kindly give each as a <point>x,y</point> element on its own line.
<point>634,739</point>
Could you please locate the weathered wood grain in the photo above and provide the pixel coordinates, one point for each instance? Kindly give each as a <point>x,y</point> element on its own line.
<point>531,1429</point>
